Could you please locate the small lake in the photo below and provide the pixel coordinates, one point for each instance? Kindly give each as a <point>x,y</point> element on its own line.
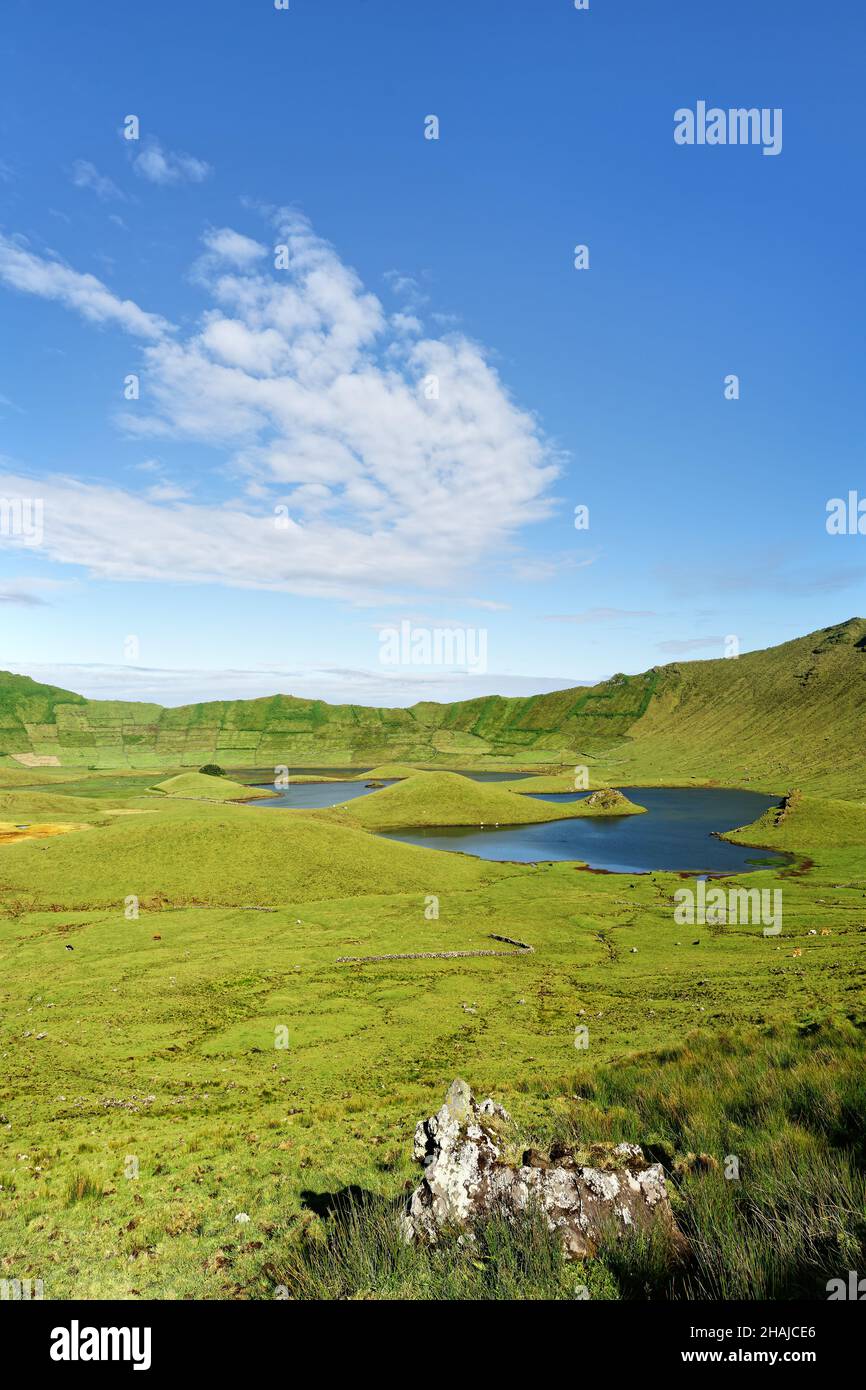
<point>311,796</point>
<point>314,796</point>
<point>675,834</point>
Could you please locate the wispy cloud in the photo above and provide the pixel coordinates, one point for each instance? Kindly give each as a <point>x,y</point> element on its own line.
<point>772,573</point>
<point>86,175</point>
<point>541,569</point>
<point>407,289</point>
<point>162,166</point>
<point>167,492</point>
<point>599,615</point>
<point>678,646</point>
<point>24,600</point>
<point>28,593</point>
<point>337,685</point>
<point>21,269</point>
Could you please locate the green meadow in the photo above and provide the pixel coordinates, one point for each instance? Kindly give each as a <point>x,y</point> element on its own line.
<point>200,1098</point>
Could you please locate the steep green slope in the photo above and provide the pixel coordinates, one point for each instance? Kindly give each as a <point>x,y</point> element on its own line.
<point>790,715</point>
<point>281,730</point>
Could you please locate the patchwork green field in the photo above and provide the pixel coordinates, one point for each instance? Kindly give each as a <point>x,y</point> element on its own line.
<point>184,1047</point>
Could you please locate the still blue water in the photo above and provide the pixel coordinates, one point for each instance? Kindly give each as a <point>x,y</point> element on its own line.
<point>315,795</point>
<point>675,834</point>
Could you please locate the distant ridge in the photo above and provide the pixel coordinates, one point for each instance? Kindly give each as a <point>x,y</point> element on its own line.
<point>793,714</point>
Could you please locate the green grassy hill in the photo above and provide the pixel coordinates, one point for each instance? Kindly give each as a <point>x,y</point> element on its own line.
<point>789,715</point>
<point>201,786</point>
<point>446,798</point>
<point>222,856</point>
<point>39,805</point>
<point>806,823</point>
<point>387,772</point>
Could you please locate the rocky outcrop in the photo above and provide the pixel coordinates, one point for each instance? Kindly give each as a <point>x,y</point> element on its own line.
<point>790,802</point>
<point>608,801</point>
<point>474,1168</point>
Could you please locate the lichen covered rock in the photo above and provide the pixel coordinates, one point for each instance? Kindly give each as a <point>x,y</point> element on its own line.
<point>471,1170</point>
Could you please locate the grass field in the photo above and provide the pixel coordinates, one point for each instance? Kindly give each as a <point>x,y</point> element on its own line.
<point>200,1054</point>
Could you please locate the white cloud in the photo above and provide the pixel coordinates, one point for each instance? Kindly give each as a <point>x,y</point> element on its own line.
<point>115,534</point>
<point>337,685</point>
<point>162,166</point>
<point>167,492</point>
<point>235,345</point>
<point>406,288</point>
<point>28,593</point>
<point>680,646</point>
<point>599,615</point>
<point>322,408</point>
<point>86,175</point>
<point>20,597</point>
<point>50,279</point>
<point>542,569</point>
<point>224,244</point>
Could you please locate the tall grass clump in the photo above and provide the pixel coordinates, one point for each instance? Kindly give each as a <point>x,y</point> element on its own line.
<point>761,1135</point>
<point>784,1110</point>
<point>359,1252</point>
<point>82,1188</point>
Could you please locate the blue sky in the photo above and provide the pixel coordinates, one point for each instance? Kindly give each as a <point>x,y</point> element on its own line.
<point>284,487</point>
